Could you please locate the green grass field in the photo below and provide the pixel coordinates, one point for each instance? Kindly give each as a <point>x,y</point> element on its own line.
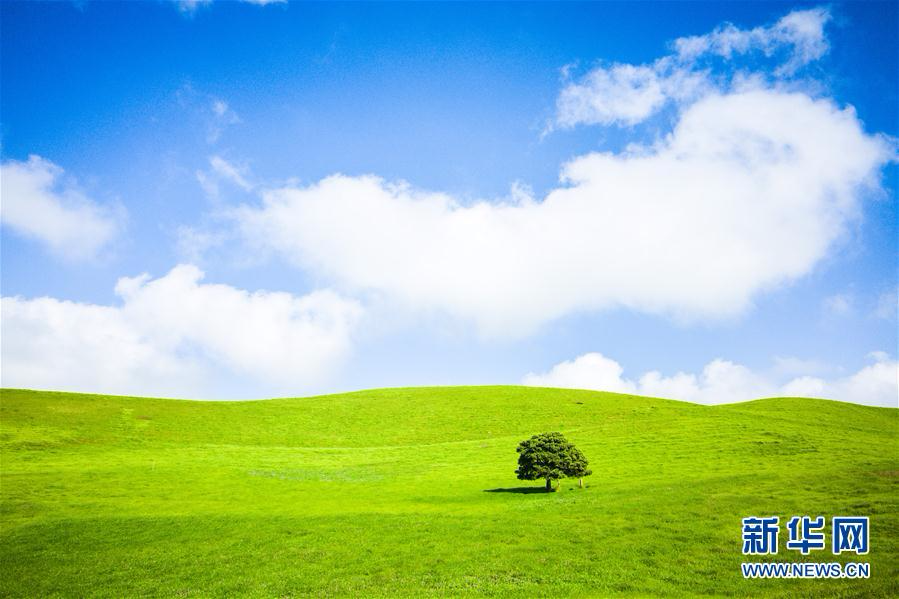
<point>410,492</point>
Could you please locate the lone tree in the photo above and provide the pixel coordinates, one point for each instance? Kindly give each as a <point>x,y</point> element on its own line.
<point>550,456</point>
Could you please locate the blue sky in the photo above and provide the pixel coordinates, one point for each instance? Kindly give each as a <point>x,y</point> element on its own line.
<point>205,137</point>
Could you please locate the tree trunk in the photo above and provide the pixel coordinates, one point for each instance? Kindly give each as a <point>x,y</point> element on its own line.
<point>580,482</point>
<point>549,485</point>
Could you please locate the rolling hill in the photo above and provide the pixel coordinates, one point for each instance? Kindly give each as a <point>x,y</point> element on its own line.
<point>408,492</point>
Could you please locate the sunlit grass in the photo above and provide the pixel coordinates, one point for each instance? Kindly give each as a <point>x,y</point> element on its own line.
<point>388,492</point>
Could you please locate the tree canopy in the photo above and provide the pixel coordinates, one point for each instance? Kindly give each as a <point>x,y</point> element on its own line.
<point>550,456</point>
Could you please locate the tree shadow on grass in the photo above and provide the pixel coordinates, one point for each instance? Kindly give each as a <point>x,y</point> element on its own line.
<point>524,490</point>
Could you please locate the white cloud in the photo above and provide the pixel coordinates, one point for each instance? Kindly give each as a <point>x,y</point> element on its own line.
<point>189,7</point>
<point>589,371</point>
<point>805,386</point>
<point>220,170</point>
<point>176,336</point>
<point>693,226</point>
<point>627,94</point>
<point>39,203</point>
<point>621,93</point>
<point>722,381</point>
<point>800,35</point>
<point>230,172</point>
<point>67,346</point>
<point>874,385</point>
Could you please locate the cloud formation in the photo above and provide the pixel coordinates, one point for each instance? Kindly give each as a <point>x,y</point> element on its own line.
<point>695,225</point>
<point>798,39</point>
<point>189,7</point>
<point>722,381</point>
<point>620,93</point>
<point>172,335</point>
<point>41,204</point>
<point>625,94</point>
<point>220,170</point>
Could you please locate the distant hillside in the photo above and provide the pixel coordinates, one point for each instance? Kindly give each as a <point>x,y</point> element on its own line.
<point>412,491</point>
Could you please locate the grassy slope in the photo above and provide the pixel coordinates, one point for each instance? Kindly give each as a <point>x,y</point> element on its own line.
<point>383,493</point>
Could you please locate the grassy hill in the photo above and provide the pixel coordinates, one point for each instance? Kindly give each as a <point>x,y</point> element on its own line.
<point>412,491</point>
